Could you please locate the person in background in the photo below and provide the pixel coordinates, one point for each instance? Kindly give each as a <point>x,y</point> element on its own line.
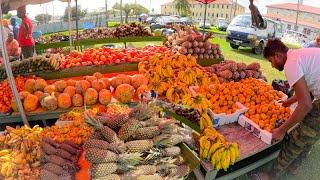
<point>12,46</point>
<point>15,27</point>
<point>315,43</point>
<point>25,34</point>
<point>6,29</point>
<point>301,68</point>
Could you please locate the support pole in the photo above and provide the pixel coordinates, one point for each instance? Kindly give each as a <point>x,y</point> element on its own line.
<point>10,76</point>
<point>297,17</point>
<point>107,13</point>
<point>205,17</point>
<point>69,24</point>
<point>77,24</point>
<point>121,19</point>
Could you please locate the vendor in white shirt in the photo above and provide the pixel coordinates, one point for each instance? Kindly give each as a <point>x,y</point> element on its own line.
<point>302,70</point>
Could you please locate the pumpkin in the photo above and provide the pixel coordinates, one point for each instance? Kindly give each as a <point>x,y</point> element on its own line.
<point>98,75</point>
<point>38,94</point>
<point>60,85</point>
<point>91,96</point>
<point>138,80</point>
<point>30,103</point>
<point>142,89</point>
<point>29,85</point>
<point>105,96</point>
<point>71,82</point>
<point>39,85</point>
<point>49,89</point>
<point>77,100</point>
<point>124,93</point>
<point>98,85</point>
<point>120,79</point>
<point>49,103</point>
<point>64,101</point>
<point>82,86</point>
<point>71,90</point>
<point>90,78</point>
<point>106,82</point>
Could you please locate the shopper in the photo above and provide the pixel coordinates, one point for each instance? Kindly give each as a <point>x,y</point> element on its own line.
<point>15,27</point>
<point>6,29</point>
<point>302,71</point>
<point>25,34</point>
<point>315,43</point>
<point>12,46</point>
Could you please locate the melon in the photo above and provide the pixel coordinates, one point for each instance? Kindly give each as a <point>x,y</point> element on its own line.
<point>98,75</point>
<point>90,78</point>
<point>82,86</point>
<point>142,89</point>
<point>77,100</point>
<point>38,94</point>
<point>29,85</point>
<point>120,79</point>
<point>105,97</point>
<point>71,82</point>
<point>64,101</point>
<point>124,93</point>
<point>71,90</point>
<point>98,85</point>
<point>91,96</point>
<point>60,85</point>
<point>106,82</point>
<point>138,80</point>
<point>39,85</point>
<point>50,89</point>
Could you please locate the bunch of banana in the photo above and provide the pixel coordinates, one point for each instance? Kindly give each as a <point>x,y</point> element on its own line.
<point>199,102</point>
<point>159,86</point>
<point>6,163</point>
<point>187,76</point>
<point>164,71</point>
<point>215,149</point>
<point>205,121</point>
<point>176,92</point>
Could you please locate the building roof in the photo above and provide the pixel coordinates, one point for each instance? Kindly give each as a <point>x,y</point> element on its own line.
<point>229,2</point>
<point>293,20</point>
<point>292,6</point>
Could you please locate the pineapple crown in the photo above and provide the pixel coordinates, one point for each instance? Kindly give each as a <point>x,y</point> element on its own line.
<point>92,121</point>
<point>130,159</point>
<point>144,111</point>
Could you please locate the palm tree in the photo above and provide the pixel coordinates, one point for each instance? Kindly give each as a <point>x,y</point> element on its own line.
<point>182,6</point>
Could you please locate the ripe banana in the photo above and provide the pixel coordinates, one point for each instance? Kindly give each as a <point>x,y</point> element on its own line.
<point>216,157</point>
<point>226,160</point>
<point>213,149</point>
<point>206,148</point>
<point>4,152</point>
<point>233,155</point>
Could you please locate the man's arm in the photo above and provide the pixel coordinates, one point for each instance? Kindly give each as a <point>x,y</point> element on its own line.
<point>304,107</point>
<point>290,101</point>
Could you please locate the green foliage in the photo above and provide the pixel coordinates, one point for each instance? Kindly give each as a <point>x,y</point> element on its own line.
<point>81,13</point>
<point>183,7</point>
<point>130,9</point>
<point>43,18</point>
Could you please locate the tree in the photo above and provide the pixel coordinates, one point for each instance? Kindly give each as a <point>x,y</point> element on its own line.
<point>81,13</point>
<point>130,9</point>
<point>182,6</point>
<point>43,18</point>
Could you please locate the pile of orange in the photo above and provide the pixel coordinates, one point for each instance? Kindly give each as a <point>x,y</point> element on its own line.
<point>266,115</point>
<point>249,92</point>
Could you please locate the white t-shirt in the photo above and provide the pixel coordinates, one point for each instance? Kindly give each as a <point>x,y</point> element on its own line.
<point>304,62</point>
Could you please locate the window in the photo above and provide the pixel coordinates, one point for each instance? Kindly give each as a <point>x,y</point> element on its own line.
<point>226,15</point>
<point>196,14</point>
<point>192,13</point>
<point>212,14</point>
<point>221,15</point>
<point>217,15</point>
<point>213,7</point>
<point>227,7</point>
<point>222,6</point>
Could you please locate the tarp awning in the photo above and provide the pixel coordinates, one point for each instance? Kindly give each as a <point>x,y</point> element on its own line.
<point>8,5</point>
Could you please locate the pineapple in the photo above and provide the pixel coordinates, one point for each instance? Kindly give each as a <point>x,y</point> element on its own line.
<point>107,133</point>
<point>127,130</point>
<point>48,175</point>
<point>104,169</point>
<point>155,153</point>
<point>144,111</point>
<point>101,144</point>
<point>109,177</point>
<point>179,171</point>
<point>170,141</point>
<point>148,177</point>
<point>138,145</point>
<point>146,133</point>
<point>117,121</point>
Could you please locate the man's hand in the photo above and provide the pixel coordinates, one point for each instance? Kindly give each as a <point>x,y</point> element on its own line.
<point>285,103</point>
<point>278,134</point>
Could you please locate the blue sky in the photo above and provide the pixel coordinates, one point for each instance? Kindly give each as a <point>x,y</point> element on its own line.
<point>58,7</point>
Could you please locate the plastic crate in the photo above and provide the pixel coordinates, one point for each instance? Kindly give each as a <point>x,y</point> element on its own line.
<point>223,118</point>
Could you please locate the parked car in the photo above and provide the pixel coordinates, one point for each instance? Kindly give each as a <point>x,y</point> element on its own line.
<point>240,32</point>
<point>222,26</point>
<point>164,22</point>
<point>187,20</point>
<point>206,26</point>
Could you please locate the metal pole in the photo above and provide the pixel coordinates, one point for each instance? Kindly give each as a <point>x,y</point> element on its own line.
<point>121,20</point>
<point>298,9</point>
<point>205,17</point>
<point>10,76</point>
<point>107,12</point>
<point>77,25</point>
<point>69,24</point>
<point>235,8</point>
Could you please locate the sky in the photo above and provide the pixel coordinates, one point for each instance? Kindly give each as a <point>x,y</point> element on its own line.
<point>57,8</point>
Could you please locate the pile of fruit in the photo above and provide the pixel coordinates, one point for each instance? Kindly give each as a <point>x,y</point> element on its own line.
<point>215,149</point>
<point>97,33</point>
<point>6,96</point>
<point>58,160</point>
<point>20,153</point>
<point>136,145</point>
<point>228,71</point>
<point>34,64</point>
<point>267,115</point>
<point>104,56</point>
<point>130,30</point>
<point>189,113</point>
<point>76,132</point>
<point>189,41</point>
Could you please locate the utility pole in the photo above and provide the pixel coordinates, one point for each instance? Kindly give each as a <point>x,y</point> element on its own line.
<point>121,20</point>
<point>235,8</point>
<point>107,12</point>
<point>231,7</point>
<point>298,9</point>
